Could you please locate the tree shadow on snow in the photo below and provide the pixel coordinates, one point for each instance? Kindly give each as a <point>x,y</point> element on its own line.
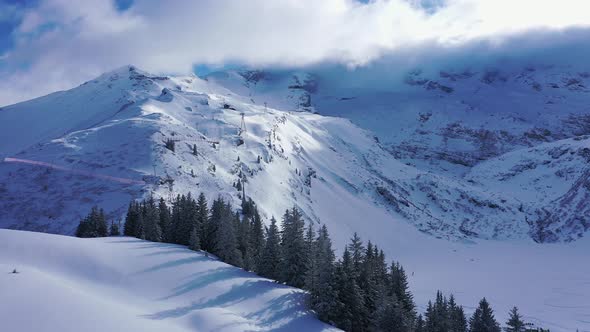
<point>175,263</point>
<point>202,279</point>
<point>237,293</point>
<point>285,313</point>
<point>166,252</point>
<point>125,241</point>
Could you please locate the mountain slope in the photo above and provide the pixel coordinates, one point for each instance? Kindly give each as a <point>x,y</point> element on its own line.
<point>286,158</point>
<point>337,173</point>
<point>125,284</point>
<point>465,126</point>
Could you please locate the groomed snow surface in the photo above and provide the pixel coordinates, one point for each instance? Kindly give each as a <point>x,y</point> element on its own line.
<point>125,284</point>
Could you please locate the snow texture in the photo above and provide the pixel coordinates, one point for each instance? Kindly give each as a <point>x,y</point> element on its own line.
<point>125,284</point>
<point>463,212</point>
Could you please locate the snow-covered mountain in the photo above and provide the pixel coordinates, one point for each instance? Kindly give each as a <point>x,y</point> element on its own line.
<point>465,125</point>
<point>387,173</point>
<point>61,147</point>
<point>125,284</point>
<point>333,170</point>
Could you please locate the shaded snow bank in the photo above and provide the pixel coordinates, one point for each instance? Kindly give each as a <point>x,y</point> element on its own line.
<point>124,284</point>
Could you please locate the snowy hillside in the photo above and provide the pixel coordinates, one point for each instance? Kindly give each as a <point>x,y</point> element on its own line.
<point>136,285</point>
<point>125,284</point>
<point>551,180</point>
<point>444,120</point>
<point>103,143</point>
<point>466,126</point>
<point>334,171</point>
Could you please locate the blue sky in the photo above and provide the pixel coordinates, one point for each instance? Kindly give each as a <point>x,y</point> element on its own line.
<point>48,45</point>
<point>13,15</point>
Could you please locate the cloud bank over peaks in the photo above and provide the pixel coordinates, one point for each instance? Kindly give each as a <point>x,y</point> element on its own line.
<point>59,44</point>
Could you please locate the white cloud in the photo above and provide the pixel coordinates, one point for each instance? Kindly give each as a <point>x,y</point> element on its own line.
<point>171,36</point>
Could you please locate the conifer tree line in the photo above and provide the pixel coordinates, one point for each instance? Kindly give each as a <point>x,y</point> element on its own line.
<point>94,225</point>
<point>359,291</point>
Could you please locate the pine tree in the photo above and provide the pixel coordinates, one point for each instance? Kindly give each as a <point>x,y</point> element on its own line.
<point>456,316</point>
<point>170,144</point>
<point>430,319</point>
<point>320,278</point>
<point>271,254</point>
<point>131,220</point>
<point>392,317</point>
<point>256,239</point>
<point>93,225</point>
<point>151,219</point>
<point>419,327</point>
<point>84,229</point>
<point>312,260</point>
<point>350,302</point>
<point>515,322</point>
<point>483,319</point>
<point>401,289</point>
<point>165,221</point>
<point>370,287</point>
<point>226,241</point>
<point>100,221</point>
<point>175,220</point>
<point>202,217</point>
<point>194,241</point>
<point>211,227</point>
<point>437,317</point>
<point>114,230</point>
<point>243,235</point>
<point>356,249</point>
<point>293,262</point>
<point>139,226</point>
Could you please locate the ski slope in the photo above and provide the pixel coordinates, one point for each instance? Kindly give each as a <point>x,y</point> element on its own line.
<point>124,284</point>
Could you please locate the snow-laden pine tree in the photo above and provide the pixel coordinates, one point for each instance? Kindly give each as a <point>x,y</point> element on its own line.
<point>271,254</point>
<point>483,319</point>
